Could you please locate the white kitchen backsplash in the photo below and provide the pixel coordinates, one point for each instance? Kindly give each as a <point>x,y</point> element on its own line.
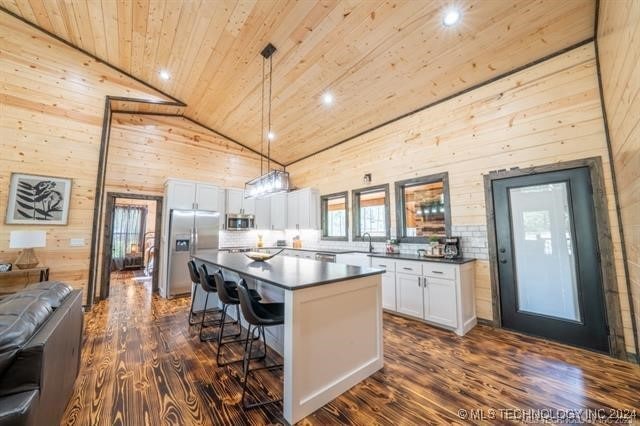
<point>473,240</point>
<point>249,238</point>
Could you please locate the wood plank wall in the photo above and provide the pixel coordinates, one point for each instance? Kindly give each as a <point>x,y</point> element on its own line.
<point>52,102</point>
<point>145,150</point>
<point>51,112</point>
<point>545,114</point>
<point>619,55</point>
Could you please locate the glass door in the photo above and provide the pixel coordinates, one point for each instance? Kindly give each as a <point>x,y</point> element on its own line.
<point>548,263</point>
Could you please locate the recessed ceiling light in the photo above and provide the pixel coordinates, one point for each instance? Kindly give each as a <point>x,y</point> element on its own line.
<point>164,74</point>
<point>451,16</point>
<point>327,98</point>
<point>271,136</point>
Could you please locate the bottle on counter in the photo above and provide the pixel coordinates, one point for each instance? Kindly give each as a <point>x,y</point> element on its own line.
<point>260,242</point>
<point>297,242</point>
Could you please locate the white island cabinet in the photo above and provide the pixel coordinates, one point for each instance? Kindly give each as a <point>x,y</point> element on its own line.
<point>326,348</point>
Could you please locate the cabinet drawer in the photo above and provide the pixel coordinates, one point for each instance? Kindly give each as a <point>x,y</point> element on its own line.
<point>409,267</point>
<point>389,265</point>
<point>439,270</point>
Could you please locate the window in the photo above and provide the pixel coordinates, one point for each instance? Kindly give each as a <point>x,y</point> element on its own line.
<point>334,216</point>
<point>371,212</point>
<point>423,208</point>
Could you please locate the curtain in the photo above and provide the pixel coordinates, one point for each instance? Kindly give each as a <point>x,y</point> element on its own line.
<point>127,236</point>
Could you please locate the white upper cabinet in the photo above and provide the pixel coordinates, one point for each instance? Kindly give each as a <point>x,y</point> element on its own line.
<point>249,205</point>
<point>293,210</point>
<point>234,200</point>
<point>263,213</point>
<point>237,203</point>
<point>303,209</point>
<point>180,195</point>
<point>207,197</point>
<point>278,207</point>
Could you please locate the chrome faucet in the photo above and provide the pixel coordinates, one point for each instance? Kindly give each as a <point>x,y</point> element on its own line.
<point>370,245</point>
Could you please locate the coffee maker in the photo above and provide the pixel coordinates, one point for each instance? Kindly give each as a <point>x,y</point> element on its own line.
<point>452,248</point>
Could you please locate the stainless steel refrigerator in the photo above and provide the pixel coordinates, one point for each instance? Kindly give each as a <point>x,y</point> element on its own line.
<point>190,231</point>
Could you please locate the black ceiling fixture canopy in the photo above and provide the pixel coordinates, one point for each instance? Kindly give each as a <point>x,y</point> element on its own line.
<point>268,51</point>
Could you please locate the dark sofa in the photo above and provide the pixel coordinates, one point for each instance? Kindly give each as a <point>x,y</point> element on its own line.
<point>40,343</point>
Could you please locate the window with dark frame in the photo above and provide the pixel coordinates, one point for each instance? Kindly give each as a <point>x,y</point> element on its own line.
<point>422,208</point>
<point>371,213</point>
<point>334,216</point>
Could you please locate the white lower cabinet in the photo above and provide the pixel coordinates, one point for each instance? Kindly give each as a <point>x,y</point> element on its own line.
<point>389,291</point>
<point>409,300</point>
<point>440,301</point>
<point>442,294</point>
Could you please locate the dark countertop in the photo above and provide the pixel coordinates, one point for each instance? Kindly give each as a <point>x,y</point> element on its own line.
<point>316,250</point>
<point>410,256</point>
<point>401,256</point>
<point>289,273</point>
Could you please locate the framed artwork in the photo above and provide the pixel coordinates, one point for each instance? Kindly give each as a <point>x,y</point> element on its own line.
<point>38,200</point>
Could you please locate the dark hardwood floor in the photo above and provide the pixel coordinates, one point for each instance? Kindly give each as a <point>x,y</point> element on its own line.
<point>142,365</point>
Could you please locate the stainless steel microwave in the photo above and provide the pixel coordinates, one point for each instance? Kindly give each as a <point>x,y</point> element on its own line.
<point>240,222</point>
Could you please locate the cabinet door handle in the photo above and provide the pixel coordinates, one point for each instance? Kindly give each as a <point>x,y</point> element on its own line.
<point>382,266</point>
<point>437,272</point>
<point>419,282</point>
<point>407,269</point>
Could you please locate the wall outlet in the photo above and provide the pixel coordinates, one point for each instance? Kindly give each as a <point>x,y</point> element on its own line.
<point>76,242</point>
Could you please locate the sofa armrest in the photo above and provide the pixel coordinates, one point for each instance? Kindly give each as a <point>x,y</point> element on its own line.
<point>50,361</point>
<point>17,409</point>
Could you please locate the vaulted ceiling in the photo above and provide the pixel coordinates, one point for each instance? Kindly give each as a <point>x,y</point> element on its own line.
<point>379,59</point>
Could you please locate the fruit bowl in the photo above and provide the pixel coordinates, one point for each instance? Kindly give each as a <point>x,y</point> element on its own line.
<point>261,257</point>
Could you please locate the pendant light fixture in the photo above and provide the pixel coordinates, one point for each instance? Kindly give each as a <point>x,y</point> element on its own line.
<point>273,181</point>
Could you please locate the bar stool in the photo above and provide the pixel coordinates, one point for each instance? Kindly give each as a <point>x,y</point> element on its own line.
<point>258,316</point>
<point>228,295</point>
<point>208,285</point>
<point>195,280</point>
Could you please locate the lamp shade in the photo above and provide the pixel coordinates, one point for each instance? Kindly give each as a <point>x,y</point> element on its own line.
<point>27,239</point>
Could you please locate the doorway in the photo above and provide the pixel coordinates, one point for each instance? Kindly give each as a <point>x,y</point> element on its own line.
<point>552,266</point>
<point>131,240</point>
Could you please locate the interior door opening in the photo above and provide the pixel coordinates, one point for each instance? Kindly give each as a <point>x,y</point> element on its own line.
<point>131,241</point>
<point>549,267</point>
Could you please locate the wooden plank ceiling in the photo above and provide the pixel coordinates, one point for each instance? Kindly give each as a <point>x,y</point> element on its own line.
<point>379,59</point>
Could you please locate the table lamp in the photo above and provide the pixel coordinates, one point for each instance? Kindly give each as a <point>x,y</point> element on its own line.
<point>27,240</point>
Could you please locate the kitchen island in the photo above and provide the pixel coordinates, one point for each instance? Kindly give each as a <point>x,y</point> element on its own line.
<point>332,328</point>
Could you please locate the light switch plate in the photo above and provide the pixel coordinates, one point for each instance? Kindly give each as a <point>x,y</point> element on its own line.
<point>76,242</point>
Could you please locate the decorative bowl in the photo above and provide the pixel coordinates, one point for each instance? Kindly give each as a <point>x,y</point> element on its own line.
<point>261,257</point>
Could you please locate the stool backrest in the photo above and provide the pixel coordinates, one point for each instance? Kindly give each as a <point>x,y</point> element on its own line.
<point>193,272</point>
<point>226,294</point>
<point>205,280</point>
<point>248,308</point>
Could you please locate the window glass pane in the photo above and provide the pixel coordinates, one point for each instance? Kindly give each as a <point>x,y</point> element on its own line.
<point>544,257</point>
<point>424,210</point>
<point>373,214</point>
<point>335,216</point>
